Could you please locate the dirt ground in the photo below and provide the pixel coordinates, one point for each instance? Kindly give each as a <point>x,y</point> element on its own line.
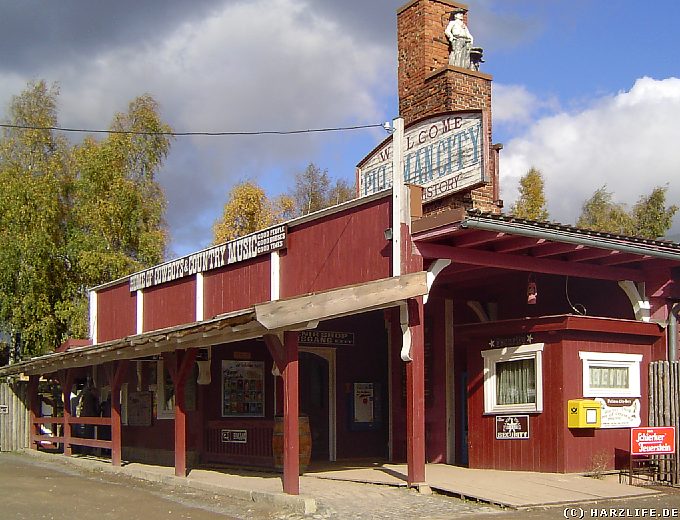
<point>32,492</point>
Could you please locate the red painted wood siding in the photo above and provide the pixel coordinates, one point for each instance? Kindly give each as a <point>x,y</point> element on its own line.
<point>237,286</point>
<point>552,447</point>
<point>170,304</point>
<point>343,249</point>
<point>116,312</point>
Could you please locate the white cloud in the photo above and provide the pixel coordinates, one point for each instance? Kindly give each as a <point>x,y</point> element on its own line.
<point>257,65</point>
<point>628,141</point>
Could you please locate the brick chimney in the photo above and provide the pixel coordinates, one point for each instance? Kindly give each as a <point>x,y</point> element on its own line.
<point>429,85</point>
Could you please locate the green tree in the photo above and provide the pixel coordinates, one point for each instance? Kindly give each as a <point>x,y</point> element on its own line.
<point>601,213</point>
<point>73,215</point>
<point>649,218</point>
<point>313,190</point>
<point>531,203</point>
<point>652,219</point>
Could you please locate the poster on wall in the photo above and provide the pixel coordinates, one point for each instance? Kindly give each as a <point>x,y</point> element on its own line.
<point>619,412</point>
<point>242,388</point>
<point>140,407</point>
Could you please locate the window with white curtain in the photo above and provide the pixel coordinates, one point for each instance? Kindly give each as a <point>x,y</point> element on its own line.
<point>513,379</point>
<point>611,374</point>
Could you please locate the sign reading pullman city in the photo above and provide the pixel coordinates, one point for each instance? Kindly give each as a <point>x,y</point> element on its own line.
<point>444,154</point>
<point>238,250</point>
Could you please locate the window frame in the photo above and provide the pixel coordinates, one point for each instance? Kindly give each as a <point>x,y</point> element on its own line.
<point>492,357</point>
<point>612,360</point>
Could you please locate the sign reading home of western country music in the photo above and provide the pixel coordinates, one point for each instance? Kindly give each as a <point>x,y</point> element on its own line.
<point>444,154</point>
<point>238,250</point>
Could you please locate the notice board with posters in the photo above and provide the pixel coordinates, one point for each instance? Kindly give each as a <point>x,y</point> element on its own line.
<point>242,388</point>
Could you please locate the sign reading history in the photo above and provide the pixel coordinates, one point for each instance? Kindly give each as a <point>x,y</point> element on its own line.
<point>659,440</point>
<point>444,154</point>
<point>510,427</point>
<point>238,250</point>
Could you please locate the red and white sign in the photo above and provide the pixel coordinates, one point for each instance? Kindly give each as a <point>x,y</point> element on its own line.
<point>659,440</point>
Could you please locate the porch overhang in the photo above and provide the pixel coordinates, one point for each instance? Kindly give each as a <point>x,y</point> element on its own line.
<point>295,313</point>
<point>476,241</point>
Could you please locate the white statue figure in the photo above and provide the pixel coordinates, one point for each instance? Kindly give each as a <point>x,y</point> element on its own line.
<point>461,41</point>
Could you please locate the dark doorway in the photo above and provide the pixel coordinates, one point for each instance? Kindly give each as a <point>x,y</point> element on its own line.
<point>314,401</point>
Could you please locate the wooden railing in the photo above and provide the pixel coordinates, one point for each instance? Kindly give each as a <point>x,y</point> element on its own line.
<point>67,438</point>
<point>256,451</point>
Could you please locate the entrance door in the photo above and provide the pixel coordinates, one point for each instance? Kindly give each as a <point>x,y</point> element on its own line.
<point>314,401</point>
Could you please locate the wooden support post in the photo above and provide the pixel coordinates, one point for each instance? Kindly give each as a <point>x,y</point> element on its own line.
<point>33,410</point>
<point>66,382</point>
<point>415,396</point>
<point>291,426</point>
<point>116,377</point>
<point>179,366</point>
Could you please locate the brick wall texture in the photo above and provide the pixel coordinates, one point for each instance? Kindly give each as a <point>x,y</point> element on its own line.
<point>429,85</point>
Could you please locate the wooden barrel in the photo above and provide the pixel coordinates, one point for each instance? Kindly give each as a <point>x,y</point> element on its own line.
<point>305,442</point>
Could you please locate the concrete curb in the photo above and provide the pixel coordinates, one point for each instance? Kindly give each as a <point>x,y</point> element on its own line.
<point>295,504</point>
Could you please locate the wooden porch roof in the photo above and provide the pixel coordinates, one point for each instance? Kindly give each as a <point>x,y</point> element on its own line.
<point>298,313</point>
<point>476,241</point>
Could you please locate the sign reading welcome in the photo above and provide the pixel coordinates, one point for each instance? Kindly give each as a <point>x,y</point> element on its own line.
<point>444,154</point>
<point>238,250</point>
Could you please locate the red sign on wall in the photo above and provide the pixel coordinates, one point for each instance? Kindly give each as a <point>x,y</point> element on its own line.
<point>659,440</point>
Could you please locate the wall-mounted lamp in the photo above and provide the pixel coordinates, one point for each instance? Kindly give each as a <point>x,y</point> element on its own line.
<point>203,362</point>
<point>388,234</point>
<point>532,291</point>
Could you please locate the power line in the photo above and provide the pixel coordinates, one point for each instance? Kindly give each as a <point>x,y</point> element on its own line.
<point>183,134</point>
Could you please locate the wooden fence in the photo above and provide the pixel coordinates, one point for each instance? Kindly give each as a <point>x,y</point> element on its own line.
<point>664,410</point>
<point>14,417</point>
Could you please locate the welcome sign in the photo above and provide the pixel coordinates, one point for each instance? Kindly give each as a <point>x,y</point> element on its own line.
<point>444,154</point>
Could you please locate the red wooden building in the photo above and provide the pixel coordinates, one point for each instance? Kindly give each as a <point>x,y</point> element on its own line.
<point>414,324</point>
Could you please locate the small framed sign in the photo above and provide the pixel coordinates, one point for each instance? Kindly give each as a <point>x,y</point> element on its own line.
<point>511,427</point>
<point>4,409</point>
<point>235,436</point>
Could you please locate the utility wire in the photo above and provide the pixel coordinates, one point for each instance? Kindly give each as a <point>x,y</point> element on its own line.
<point>182,134</point>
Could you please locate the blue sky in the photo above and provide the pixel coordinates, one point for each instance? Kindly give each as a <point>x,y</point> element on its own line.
<point>587,90</point>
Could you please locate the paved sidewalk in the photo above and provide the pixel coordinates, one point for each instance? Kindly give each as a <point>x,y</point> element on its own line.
<point>379,491</point>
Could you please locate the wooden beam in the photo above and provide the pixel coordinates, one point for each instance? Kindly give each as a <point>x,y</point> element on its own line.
<point>33,410</point>
<point>474,238</point>
<point>276,350</point>
<point>516,243</point>
<point>415,396</point>
<point>527,263</point>
<point>116,376</point>
<point>66,381</point>
<point>553,249</point>
<point>291,425</point>
<point>179,366</point>
<point>379,294</point>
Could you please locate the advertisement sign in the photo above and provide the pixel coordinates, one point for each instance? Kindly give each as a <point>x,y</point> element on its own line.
<point>512,427</point>
<point>325,338</point>
<point>659,440</point>
<point>444,154</point>
<point>619,412</point>
<point>238,250</point>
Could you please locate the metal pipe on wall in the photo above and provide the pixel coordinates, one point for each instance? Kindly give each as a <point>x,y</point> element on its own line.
<point>673,332</point>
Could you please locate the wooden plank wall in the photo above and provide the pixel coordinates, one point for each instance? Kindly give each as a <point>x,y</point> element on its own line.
<point>14,424</point>
<point>664,404</point>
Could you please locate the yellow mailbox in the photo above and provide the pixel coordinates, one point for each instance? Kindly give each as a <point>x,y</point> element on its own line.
<point>584,413</point>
